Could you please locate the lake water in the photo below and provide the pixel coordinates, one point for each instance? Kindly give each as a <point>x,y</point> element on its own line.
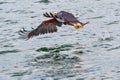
<point>91,53</point>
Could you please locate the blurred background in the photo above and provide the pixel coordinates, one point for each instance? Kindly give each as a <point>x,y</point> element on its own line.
<point>90,53</point>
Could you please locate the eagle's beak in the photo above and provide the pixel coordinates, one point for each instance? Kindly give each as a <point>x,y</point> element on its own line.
<point>54,13</point>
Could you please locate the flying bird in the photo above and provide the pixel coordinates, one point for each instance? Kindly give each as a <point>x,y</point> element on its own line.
<point>49,26</point>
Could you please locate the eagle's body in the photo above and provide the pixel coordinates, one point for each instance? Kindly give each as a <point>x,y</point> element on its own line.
<point>56,19</point>
<point>66,17</point>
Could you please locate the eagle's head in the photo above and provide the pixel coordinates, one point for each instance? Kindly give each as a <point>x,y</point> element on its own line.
<point>54,13</point>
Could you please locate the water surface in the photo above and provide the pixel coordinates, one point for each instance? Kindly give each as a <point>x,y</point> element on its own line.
<point>91,53</point>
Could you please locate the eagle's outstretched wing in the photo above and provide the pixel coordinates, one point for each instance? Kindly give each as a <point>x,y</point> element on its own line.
<point>48,26</point>
<point>62,16</point>
<point>66,16</point>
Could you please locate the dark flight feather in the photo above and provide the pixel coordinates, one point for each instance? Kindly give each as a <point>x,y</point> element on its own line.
<point>48,26</point>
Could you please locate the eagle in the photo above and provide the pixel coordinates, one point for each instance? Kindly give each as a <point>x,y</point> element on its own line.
<point>49,26</point>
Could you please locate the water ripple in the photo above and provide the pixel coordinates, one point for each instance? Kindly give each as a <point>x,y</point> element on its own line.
<point>69,54</point>
<point>114,48</point>
<point>8,51</point>
<point>114,22</point>
<point>98,17</point>
<point>6,2</point>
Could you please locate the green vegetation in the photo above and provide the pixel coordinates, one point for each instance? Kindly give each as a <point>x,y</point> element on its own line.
<point>54,58</point>
<point>53,55</point>
<point>44,1</point>
<point>55,49</point>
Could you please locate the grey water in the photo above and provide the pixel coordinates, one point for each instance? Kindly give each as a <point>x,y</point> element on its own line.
<point>90,53</point>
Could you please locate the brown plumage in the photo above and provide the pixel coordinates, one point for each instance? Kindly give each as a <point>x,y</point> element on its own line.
<point>49,26</point>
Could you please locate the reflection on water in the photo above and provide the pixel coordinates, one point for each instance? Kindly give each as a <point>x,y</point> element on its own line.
<point>91,53</point>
